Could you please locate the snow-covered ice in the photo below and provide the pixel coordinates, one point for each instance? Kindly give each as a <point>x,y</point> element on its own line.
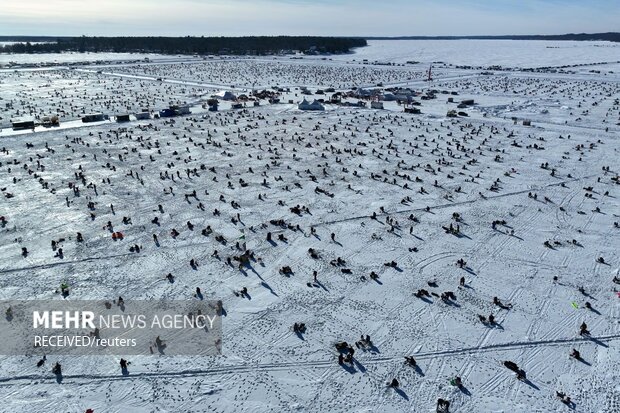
<point>554,183</point>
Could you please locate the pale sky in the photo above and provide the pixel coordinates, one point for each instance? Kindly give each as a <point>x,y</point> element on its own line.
<point>305,17</point>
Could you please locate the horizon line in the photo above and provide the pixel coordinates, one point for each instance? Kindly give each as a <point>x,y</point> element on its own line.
<point>331,36</point>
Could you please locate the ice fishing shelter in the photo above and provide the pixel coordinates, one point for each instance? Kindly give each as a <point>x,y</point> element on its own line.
<point>211,104</point>
<point>93,117</point>
<point>26,122</point>
<point>180,109</point>
<point>143,115</point>
<point>166,113</point>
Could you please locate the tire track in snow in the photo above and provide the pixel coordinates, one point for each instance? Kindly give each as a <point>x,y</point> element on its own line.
<point>251,368</point>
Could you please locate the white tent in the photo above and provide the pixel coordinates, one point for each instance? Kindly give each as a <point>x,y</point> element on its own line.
<point>225,95</point>
<point>315,105</point>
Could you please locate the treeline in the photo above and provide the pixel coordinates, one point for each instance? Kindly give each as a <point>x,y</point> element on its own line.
<point>609,36</point>
<point>263,45</point>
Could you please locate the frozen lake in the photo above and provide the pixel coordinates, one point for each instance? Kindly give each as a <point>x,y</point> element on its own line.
<point>500,197</point>
<point>511,53</point>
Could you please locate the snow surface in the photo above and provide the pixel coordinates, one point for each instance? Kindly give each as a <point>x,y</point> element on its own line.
<point>75,57</point>
<point>361,160</point>
<point>519,53</point>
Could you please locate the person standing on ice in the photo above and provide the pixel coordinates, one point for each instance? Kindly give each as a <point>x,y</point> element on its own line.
<point>443,406</point>
<point>456,382</point>
<point>394,383</point>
